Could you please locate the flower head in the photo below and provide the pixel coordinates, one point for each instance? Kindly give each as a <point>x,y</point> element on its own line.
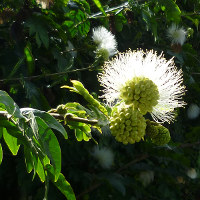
<point>44,3</point>
<point>146,80</point>
<point>192,173</point>
<point>105,40</point>
<point>193,111</point>
<point>146,177</point>
<point>104,156</point>
<point>177,35</point>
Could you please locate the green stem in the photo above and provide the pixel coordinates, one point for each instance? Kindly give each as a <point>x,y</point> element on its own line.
<point>46,188</point>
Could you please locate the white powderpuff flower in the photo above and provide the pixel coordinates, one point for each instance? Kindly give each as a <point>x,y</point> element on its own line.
<point>176,35</point>
<point>192,173</point>
<point>44,3</point>
<point>105,40</point>
<point>146,177</point>
<point>163,73</point>
<point>193,111</point>
<point>104,156</point>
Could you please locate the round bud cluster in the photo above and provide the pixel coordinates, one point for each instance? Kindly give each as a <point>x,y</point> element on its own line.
<point>157,133</point>
<point>103,53</point>
<point>141,92</point>
<point>127,125</point>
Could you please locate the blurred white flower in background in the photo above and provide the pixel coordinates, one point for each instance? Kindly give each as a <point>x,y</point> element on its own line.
<point>105,40</point>
<point>44,3</point>
<point>104,156</point>
<point>146,177</point>
<point>193,111</point>
<point>192,173</point>
<point>176,35</point>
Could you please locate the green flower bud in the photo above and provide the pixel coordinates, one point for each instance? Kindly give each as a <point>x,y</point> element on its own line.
<point>103,53</point>
<point>131,126</point>
<point>157,133</point>
<point>141,92</point>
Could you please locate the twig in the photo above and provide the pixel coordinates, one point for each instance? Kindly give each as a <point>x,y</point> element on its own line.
<point>70,117</point>
<point>189,144</point>
<point>124,5</point>
<point>196,73</point>
<point>44,75</point>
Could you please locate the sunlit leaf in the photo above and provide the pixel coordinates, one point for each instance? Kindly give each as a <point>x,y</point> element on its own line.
<point>10,106</point>
<point>11,142</point>
<point>80,89</point>
<point>49,120</point>
<point>98,4</point>
<point>29,58</point>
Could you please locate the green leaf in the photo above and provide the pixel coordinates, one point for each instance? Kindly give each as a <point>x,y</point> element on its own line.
<point>29,161</point>
<point>98,4</point>
<point>82,130</point>
<point>76,23</point>
<point>16,67</point>
<point>13,130</point>
<point>49,120</point>
<point>35,96</point>
<point>11,142</point>
<point>40,171</point>
<point>10,106</point>
<point>116,180</point>
<point>79,134</point>
<point>50,145</point>
<point>173,12</point>
<point>38,26</point>
<point>62,184</point>
<point>80,89</point>
<point>29,58</point>
<point>1,154</point>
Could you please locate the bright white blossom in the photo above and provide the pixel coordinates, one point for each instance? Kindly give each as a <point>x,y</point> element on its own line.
<point>104,156</point>
<point>192,173</point>
<point>163,73</point>
<point>193,111</point>
<point>44,3</point>
<point>146,177</point>
<point>177,35</point>
<point>105,40</point>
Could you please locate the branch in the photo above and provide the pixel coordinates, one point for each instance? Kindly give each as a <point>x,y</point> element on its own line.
<point>44,75</point>
<point>124,5</point>
<point>189,144</point>
<point>70,117</point>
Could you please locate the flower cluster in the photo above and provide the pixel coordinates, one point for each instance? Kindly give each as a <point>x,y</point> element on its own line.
<point>106,42</point>
<point>144,81</point>
<point>127,125</point>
